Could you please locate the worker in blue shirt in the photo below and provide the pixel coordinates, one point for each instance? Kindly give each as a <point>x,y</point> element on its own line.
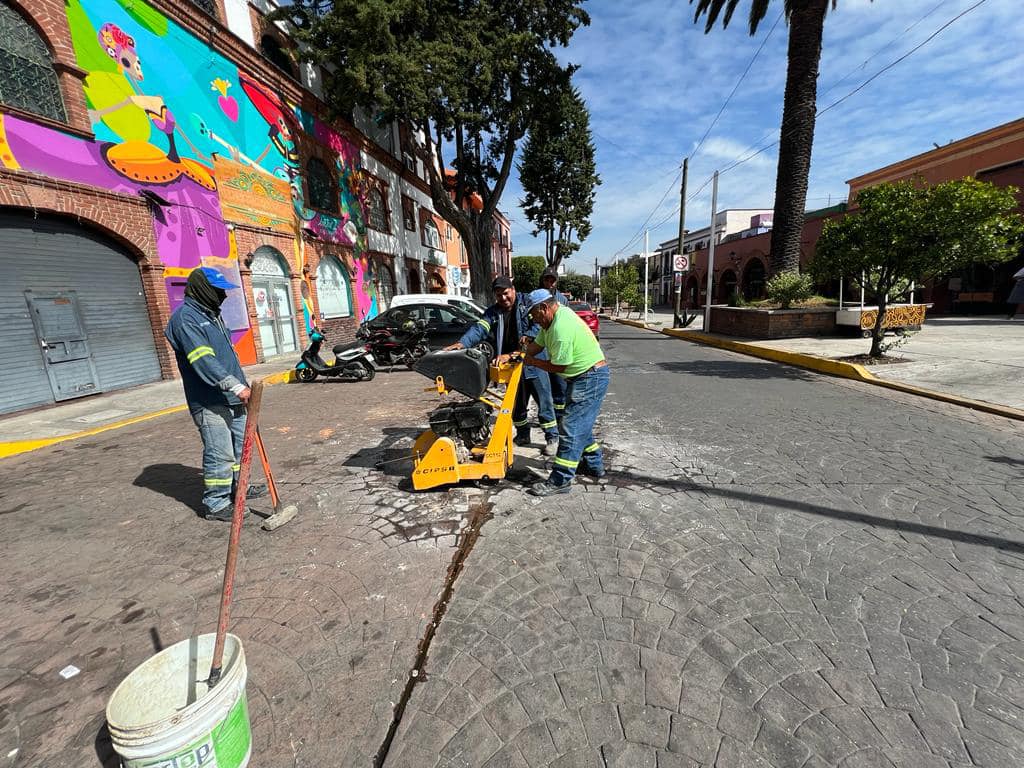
<point>216,389</point>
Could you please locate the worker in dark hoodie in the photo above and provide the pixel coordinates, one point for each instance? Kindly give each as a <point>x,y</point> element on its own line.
<point>215,387</point>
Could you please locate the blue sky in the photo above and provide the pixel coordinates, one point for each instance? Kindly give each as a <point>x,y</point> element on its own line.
<point>654,82</point>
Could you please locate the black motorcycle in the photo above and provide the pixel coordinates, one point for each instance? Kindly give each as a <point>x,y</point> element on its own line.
<point>352,362</point>
<point>400,347</point>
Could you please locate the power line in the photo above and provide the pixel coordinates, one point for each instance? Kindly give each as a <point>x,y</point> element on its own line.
<point>737,86</point>
<point>740,161</point>
<point>860,87</point>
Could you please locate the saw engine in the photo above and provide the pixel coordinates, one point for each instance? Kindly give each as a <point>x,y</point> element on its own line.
<point>469,423</point>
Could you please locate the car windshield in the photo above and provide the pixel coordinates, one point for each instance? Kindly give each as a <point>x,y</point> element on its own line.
<point>580,306</point>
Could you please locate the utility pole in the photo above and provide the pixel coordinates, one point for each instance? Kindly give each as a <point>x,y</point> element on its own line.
<point>677,321</point>
<point>597,284</point>
<point>711,255</point>
<point>646,263</point>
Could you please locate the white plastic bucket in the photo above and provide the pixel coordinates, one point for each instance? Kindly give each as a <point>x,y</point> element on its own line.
<point>163,715</point>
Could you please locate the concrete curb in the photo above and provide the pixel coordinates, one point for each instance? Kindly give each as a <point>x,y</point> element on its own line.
<point>832,368</point>
<point>17,447</point>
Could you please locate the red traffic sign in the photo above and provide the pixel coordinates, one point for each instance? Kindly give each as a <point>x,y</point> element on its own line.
<point>682,262</point>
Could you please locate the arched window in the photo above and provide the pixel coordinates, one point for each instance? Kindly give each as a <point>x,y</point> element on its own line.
<point>272,49</point>
<point>332,286</point>
<point>377,210</point>
<point>27,78</point>
<point>321,188</point>
<point>753,280</point>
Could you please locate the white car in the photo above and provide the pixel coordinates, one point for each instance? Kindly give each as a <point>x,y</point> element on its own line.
<point>461,302</point>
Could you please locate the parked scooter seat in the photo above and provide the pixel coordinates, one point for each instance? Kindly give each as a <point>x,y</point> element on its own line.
<point>339,348</point>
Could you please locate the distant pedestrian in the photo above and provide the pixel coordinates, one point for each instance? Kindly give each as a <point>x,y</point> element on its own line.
<point>575,356</point>
<point>215,386</point>
<point>1016,297</point>
<point>549,282</point>
<point>506,323</point>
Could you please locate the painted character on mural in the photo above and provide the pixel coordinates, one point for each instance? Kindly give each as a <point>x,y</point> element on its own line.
<point>140,160</point>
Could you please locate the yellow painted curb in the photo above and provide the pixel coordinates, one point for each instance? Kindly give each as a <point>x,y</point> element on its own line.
<point>835,368</point>
<point>15,447</point>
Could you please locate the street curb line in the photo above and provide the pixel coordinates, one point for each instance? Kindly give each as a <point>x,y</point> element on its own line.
<point>16,447</point>
<point>832,368</point>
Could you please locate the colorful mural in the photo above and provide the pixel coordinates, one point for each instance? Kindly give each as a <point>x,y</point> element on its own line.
<point>206,144</point>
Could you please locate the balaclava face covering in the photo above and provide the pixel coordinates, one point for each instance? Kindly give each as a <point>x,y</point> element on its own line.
<point>199,289</point>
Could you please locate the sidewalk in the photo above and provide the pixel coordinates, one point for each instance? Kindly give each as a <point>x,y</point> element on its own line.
<point>89,415</point>
<point>980,358</point>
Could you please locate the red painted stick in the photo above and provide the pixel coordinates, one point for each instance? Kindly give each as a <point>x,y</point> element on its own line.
<point>251,424</point>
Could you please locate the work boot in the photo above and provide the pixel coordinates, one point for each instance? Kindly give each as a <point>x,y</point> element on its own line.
<point>550,446</point>
<point>522,439</point>
<point>548,489</point>
<point>597,474</point>
<point>222,515</point>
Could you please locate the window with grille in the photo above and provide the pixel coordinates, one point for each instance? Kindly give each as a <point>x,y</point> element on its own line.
<point>431,237</point>
<point>320,186</point>
<point>409,213</point>
<point>27,78</point>
<point>210,6</point>
<point>377,211</point>
<point>385,286</point>
<point>332,288</point>
<point>273,51</point>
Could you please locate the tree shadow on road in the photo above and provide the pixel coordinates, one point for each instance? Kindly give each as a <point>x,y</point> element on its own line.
<point>737,369</point>
<point>176,481</point>
<point>625,478</point>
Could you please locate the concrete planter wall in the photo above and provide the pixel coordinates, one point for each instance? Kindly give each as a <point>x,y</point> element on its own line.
<point>750,323</point>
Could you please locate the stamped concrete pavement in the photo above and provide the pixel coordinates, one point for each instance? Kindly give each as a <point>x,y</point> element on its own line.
<point>781,569</point>
<point>105,561</point>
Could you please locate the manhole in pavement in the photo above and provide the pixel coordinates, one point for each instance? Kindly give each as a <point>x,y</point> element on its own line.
<point>93,418</point>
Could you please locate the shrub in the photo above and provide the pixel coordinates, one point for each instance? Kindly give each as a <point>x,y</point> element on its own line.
<point>786,288</point>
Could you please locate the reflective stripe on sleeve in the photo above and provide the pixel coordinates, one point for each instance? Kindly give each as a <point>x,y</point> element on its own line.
<point>485,324</point>
<point>198,352</point>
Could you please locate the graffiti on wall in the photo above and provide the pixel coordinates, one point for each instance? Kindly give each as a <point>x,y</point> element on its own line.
<point>205,142</point>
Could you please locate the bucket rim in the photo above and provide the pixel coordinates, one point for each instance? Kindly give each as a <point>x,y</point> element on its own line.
<point>231,663</point>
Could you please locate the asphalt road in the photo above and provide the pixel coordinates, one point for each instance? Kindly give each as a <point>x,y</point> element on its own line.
<point>782,569</point>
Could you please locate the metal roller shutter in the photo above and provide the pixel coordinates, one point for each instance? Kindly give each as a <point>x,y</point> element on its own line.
<point>52,262</point>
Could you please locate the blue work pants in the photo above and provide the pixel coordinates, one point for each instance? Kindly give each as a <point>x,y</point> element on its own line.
<point>222,428</point>
<point>577,448</point>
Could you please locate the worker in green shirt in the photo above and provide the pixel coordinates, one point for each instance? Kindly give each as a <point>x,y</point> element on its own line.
<point>576,356</point>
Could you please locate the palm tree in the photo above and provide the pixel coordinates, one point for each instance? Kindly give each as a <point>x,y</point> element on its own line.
<point>806,21</point>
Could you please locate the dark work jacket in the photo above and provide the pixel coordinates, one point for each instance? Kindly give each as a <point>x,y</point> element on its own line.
<point>206,358</point>
<point>492,326</point>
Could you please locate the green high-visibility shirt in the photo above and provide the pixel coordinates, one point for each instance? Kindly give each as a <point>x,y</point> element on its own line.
<point>570,342</point>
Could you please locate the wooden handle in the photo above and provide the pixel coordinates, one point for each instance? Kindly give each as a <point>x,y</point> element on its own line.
<point>245,464</point>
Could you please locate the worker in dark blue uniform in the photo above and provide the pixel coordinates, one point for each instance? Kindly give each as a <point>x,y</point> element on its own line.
<point>216,389</point>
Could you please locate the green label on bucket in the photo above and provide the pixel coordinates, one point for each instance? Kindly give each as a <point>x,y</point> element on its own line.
<point>226,746</point>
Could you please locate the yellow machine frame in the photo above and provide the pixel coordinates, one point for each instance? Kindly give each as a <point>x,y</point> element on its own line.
<point>435,460</point>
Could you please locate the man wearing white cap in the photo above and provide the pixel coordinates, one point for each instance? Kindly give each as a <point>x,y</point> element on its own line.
<point>576,356</point>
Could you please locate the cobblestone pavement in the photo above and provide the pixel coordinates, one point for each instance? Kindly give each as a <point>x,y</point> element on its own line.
<point>105,560</point>
<point>780,570</point>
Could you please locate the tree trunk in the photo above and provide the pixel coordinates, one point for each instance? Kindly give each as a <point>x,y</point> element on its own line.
<point>878,332</point>
<point>797,134</point>
<point>481,265</point>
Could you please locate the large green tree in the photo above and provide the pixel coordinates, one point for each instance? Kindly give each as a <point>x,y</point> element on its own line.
<point>558,174</point>
<point>806,24</point>
<point>905,232</point>
<point>620,285</point>
<point>576,285</point>
<point>467,77</point>
<point>526,271</point>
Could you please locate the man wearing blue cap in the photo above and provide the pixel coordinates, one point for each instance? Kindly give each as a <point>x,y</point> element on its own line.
<point>507,326</point>
<point>215,387</point>
<point>576,356</point>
